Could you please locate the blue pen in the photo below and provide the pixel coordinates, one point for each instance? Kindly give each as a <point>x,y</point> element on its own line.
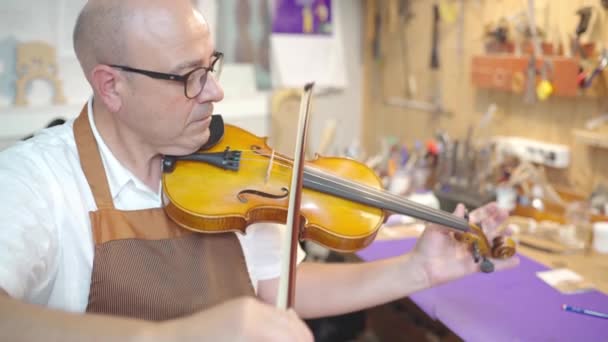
<point>584,311</point>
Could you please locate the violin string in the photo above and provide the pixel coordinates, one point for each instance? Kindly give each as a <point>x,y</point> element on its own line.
<point>369,191</point>
<point>403,203</point>
<point>328,181</point>
<point>333,178</point>
<point>373,196</point>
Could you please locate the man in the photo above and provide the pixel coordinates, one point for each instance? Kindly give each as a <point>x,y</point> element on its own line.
<point>83,230</point>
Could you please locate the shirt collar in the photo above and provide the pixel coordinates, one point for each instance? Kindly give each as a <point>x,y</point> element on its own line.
<point>117,174</point>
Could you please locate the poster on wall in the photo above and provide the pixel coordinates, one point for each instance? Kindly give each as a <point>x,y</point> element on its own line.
<point>306,45</point>
<point>302,17</point>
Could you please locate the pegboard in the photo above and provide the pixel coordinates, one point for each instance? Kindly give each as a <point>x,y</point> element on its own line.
<point>401,57</point>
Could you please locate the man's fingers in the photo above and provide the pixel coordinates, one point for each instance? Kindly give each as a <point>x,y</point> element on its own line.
<point>490,210</point>
<point>509,230</point>
<point>489,217</point>
<point>282,326</point>
<point>301,330</point>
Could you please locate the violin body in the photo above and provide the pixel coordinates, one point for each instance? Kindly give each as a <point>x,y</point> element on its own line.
<point>236,180</point>
<point>209,197</point>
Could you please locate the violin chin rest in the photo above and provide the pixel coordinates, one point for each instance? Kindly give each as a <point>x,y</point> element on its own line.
<point>216,131</point>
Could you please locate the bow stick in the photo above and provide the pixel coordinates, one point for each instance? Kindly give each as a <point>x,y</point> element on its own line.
<point>286,295</point>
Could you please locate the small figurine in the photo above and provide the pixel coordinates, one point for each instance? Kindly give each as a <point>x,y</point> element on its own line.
<point>37,60</point>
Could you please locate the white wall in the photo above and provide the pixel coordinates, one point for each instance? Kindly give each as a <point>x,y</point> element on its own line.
<point>53,21</point>
<point>346,106</point>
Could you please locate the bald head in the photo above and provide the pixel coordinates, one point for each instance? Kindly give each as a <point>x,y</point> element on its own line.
<point>112,31</point>
<point>100,33</point>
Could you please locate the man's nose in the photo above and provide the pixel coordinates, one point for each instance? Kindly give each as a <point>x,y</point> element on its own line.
<point>212,91</point>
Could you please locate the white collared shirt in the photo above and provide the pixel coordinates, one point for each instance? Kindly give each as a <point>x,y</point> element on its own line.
<point>46,245</point>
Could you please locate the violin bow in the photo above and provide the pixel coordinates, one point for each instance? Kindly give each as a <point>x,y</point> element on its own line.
<point>286,295</point>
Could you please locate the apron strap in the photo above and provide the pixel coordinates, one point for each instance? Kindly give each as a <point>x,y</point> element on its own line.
<point>90,161</point>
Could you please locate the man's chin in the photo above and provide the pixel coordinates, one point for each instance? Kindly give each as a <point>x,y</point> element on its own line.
<point>189,146</point>
<point>203,138</point>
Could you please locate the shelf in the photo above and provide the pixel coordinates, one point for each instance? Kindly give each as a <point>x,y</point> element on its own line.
<point>593,139</point>
<point>509,73</point>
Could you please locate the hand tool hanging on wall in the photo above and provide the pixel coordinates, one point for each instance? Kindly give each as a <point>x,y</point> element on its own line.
<point>583,24</point>
<point>399,15</point>
<point>409,81</point>
<point>435,39</point>
<point>377,32</point>
<point>460,41</point>
<point>530,94</point>
<point>435,65</point>
<point>577,48</point>
<point>518,21</point>
<point>434,106</point>
<point>544,89</point>
<point>603,64</point>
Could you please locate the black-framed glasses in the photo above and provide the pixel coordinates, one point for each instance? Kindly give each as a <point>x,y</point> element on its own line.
<point>194,81</point>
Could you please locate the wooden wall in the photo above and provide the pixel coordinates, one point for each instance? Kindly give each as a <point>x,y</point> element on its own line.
<point>550,121</point>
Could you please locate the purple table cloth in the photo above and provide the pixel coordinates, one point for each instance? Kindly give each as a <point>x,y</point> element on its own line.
<point>512,305</point>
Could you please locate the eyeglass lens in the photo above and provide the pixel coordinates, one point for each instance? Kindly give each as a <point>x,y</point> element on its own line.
<point>197,80</point>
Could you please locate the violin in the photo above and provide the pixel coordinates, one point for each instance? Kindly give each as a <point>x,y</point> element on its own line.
<point>236,179</point>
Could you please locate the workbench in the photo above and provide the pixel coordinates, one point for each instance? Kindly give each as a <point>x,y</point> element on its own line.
<point>510,305</point>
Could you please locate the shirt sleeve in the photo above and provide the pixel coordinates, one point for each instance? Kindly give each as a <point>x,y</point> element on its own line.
<point>262,248</point>
<point>28,240</point>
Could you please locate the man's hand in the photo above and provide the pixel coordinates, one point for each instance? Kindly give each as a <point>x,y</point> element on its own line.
<point>443,258</point>
<point>241,319</point>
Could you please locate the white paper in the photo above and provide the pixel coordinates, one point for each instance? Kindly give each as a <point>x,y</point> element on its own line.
<point>565,280</point>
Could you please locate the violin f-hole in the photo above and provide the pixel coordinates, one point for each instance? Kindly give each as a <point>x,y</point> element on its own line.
<point>242,194</point>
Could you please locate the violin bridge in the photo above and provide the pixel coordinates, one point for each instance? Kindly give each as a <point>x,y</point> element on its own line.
<point>269,168</point>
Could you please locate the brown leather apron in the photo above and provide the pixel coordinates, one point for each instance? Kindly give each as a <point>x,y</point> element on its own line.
<point>146,266</point>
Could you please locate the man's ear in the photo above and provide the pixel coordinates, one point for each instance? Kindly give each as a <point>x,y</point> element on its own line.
<point>107,82</point>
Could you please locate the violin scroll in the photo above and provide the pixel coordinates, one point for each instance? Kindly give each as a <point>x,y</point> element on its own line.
<point>501,247</point>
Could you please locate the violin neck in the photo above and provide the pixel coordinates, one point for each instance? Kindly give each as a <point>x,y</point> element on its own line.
<point>318,180</point>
